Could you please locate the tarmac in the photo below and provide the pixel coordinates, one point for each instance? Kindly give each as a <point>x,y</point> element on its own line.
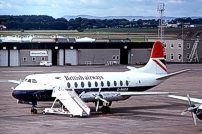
<point>140,114</point>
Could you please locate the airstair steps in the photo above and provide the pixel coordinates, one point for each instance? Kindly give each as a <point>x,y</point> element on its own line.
<point>71,101</point>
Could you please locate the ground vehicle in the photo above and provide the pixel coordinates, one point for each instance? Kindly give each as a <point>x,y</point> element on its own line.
<point>45,63</point>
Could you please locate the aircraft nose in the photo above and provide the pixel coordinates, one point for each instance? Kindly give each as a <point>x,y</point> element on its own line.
<point>15,94</point>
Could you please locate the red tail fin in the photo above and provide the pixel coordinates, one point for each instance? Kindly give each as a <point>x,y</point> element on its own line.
<point>157,50</point>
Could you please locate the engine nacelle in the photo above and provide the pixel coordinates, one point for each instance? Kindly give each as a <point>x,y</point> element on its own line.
<point>199,112</point>
<point>109,96</point>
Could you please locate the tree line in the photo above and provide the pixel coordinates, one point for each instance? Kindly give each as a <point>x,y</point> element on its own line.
<point>44,22</point>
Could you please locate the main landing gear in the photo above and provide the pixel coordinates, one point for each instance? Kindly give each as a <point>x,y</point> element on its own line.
<point>105,109</point>
<point>33,110</point>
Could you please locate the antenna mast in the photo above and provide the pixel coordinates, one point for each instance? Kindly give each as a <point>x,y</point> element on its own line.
<point>161,9</point>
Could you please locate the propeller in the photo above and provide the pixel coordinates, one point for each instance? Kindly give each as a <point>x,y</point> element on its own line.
<point>191,109</point>
<point>98,98</point>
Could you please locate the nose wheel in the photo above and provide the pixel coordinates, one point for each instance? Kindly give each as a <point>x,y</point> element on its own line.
<point>33,110</point>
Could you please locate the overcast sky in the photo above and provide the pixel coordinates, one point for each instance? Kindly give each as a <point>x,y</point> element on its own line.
<point>101,8</point>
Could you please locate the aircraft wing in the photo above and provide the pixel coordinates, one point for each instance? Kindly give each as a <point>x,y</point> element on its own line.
<point>12,81</point>
<point>171,74</point>
<point>145,93</point>
<point>185,98</point>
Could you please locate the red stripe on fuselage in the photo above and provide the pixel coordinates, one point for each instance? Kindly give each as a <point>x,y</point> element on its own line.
<point>160,65</point>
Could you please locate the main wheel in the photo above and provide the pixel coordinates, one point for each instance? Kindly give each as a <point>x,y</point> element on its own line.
<point>105,109</point>
<point>34,111</point>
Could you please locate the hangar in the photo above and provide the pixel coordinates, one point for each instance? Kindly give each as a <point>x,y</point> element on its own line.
<point>74,53</point>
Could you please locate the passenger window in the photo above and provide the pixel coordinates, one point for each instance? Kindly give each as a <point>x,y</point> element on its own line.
<point>102,83</point>
<point>82,84</point>
<point>68,85</point>
<point>108,83</point>
<point>127,83</point>
<point>96,84</point>
<point>34,81</point>
<point>89,84</point>
<point>115,84</point>
<point>121,83</point>
<point>75,84</point>
<point>29,81</point>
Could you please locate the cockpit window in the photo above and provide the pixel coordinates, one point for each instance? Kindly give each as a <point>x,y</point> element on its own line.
<point>25,80</point>
<point>34,81</point>
<point>29,80</point>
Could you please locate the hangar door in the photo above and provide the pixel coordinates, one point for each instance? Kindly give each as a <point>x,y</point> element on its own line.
<point>3,57</point>
<point>71,57</point>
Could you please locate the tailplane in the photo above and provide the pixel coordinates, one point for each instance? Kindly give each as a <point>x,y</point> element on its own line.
<point>156,64</point>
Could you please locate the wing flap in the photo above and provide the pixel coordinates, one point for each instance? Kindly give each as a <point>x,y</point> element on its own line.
<point>145,93</point>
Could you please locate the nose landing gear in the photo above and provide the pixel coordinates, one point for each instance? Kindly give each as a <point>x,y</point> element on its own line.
<point>33,110</point>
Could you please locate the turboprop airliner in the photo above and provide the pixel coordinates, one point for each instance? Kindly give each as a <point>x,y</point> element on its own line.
<point>99,87</point>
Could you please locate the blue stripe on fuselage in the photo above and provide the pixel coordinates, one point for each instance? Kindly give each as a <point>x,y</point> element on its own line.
<point>45,95</point>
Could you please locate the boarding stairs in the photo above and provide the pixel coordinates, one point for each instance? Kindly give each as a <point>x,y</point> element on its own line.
<point>71,101</point>
<point>194,55</point>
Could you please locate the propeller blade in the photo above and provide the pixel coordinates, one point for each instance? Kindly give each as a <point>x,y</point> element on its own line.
<point>194,118</point>
<point>99,91</point>
<point>97,105</point>
<point>81,94</point>
<point>184,112</point>
<point>189,99</point>
<point>104,100</point>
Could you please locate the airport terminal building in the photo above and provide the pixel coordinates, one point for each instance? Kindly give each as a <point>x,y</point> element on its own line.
<point>74,53</point>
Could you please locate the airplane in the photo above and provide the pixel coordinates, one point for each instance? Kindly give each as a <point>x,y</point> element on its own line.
<point>15,39</point>
<point>97,87</point>
<point>195,109</point>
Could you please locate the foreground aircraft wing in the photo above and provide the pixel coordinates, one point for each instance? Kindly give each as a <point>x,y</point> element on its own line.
<point>185,98</point>
<point>145,93</point>
<point>171,74</point>
<point>12,81</point>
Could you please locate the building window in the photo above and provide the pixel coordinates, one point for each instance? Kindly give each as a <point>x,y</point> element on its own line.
<point>179,56</point>
<point>179,45</point>
<point>42,58</point>
<point>187,56</point>
<point>24,59</point>
<point>33,58</point>
<point>82,84</point>
<point>117,57</point>
<point>172,56</point>
<point>96,84</point>
<point>188,45</point>
<point>165,55</point>
<point>171,45</point>
<point>164,44</point>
